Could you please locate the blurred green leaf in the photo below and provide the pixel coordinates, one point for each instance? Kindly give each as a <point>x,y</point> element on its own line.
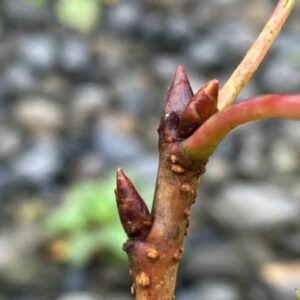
<point>297,295</point>
<point>87,220</point>
<point>78,14</point>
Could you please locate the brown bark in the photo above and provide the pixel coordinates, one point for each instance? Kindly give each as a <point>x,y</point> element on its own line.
<point>154,261</point>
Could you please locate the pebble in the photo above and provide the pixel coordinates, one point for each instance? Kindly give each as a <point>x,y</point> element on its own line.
<point>79,296</point>
<point>130,92</point>
<point>125,17</point>
<point>177,34</point>
<point>287,82</point>
<point>89,100</point>
<point>251,156</point>
<point>23,13</point>
<point>245,206</point>
<point>40,163</point>
<point>284,157</point>
<point>18,264</point>
<point>74,54</point>
<point>10,142</point>
<point>282,278</point>
<point>216,258</point>
<point>206,53</point>
<point>211,290</point>
<point>18,79</point>
<point>38,52</point>
<point>114,139</point>
<point>39,114</point>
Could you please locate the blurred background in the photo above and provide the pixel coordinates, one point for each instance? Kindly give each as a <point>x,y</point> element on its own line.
<point>82,86</point>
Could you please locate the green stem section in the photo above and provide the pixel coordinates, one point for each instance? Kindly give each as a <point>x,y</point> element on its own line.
<point>255,54</point>
<point>202,143</point>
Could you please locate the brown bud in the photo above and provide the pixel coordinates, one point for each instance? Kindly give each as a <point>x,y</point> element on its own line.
<point>133,212</point>
<point>199,109</point>
<point>178,95</point>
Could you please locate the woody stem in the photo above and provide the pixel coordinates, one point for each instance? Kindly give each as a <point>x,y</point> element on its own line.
<point>154,261</point>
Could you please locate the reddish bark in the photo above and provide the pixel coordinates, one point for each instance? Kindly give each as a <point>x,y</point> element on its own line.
<point>199,109</point>
<point>205,140</point>
<point>154,257</point>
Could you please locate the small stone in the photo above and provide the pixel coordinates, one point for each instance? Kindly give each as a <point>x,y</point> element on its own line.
<point>178,31</point>
<point>143,280</point>
<point>10,142</point>
<point>212,290</point>
<point>40,163</point>
<point>115,140</point>
<point>17,79</point>
<point>125,17</point>
<point>250,160</point>
<point>18,264</point>
<point>39,114</point>
<point>23,13</point>
<point>74,54</point>
<point>39,52</point>
<point>89,165</point>
<point>281,278</point>
<point>213,258</point>
<point>88,101</point>
<point>79,296</point>
<point>206,53</point>
<point>287,82</point>
<point>284,157</point>
<point>253,207</point>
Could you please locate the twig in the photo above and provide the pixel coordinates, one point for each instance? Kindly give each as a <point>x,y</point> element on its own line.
<point>255,54</point>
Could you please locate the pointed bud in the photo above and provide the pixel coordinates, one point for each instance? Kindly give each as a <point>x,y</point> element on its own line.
<point>178,95</point>
<point>202,106</point>
<point>134,215</point>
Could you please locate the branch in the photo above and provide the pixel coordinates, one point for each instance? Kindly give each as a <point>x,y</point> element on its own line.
<point>203,142</point>
<point>255,54</point>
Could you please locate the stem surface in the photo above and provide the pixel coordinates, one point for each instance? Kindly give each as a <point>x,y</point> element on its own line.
<point>255,54</point>
<point>154,261</point>
<point>204,141</point>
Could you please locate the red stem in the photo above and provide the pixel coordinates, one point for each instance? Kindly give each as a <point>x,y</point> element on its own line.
<point>202,143</point>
